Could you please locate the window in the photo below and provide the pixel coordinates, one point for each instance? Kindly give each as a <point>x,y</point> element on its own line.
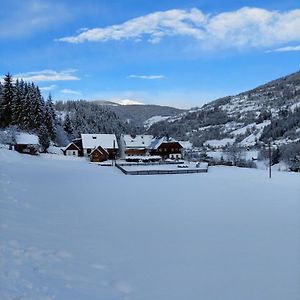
<point>74,152</point>
<point>88,151</point>
<point>94,137</point>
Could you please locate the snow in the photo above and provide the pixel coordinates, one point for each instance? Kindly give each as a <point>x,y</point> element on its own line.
<point>294,106</point>
<point>156,142</point>
<point>91,141</point>
<point>75,230</point>
<point>219,143</point>
<point>149,122</point>
<point>55,150</point>
<point>186,144</point>
<point>27,138</point>
<point>137,141</point>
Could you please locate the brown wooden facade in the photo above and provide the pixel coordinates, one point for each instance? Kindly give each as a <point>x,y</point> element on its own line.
<point>167,149</point>
<point>26,148</point>
<point>135,152</point>
<point>98,155</point>
<point>112,153</point>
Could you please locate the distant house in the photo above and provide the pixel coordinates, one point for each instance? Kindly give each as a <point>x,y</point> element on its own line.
<point>74,148</point>
<point>136,145</point>
<point>107,142</point>
<point>166,148</point>
<point>27,143</point>
<point>99,154</point>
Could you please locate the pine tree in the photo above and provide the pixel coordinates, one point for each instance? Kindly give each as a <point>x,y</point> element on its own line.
<point>50,118</point>
<point>18,102</point>
<point>44,138</point>
<point>37,107</point>
<point>6,99</point>
<point>67,125</point>
<point>26,117</point>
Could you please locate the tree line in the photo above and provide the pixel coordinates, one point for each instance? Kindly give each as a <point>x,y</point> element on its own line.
<point>22,105</point>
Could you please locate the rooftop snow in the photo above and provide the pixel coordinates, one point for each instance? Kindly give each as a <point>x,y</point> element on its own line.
<point>27,138</point>
<point>106,141</point>
<point>158,141</point>
<point>138,141</point>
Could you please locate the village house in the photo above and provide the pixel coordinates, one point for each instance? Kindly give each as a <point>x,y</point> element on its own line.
<point>99,154</point>
<point>107,142</point>
<point>27,143</point>
<point>74,148</point>
<point>166,148</point>
<point>136,145</point>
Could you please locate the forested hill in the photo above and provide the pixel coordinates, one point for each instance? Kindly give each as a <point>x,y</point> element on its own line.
<point>271,110</point>
<point>86,117</point>
<point>138,115</point>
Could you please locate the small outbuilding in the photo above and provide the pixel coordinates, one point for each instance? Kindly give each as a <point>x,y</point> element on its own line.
<point>27,143</point>
<point>99,154</point>
<point>72,150</point>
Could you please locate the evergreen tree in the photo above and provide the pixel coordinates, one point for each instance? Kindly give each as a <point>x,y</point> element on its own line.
<point>18,102</point>
<point>50,118</point>
<point>37,107</point>
<point>26,120</point>
<point>6,99</point>
<point>67,125</point>
<point>44,138</point>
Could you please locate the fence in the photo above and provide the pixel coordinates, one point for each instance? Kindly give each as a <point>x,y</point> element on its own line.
<point>162,172</point>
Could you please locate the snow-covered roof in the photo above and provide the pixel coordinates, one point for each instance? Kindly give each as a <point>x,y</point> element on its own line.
<point>106,141</point>
<point>137,141</point>
<point>158,141</point>
<point>27,139</point>
<point>70,145</point>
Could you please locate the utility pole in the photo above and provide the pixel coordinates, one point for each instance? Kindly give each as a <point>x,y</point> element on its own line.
<point>270,159</point>
<point>114,153</point>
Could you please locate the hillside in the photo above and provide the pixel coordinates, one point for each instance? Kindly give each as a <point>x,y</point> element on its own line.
<point>139,115</point>
<point>270,110</point>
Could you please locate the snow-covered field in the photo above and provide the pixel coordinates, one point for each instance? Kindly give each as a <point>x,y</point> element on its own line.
<point>75,230</point>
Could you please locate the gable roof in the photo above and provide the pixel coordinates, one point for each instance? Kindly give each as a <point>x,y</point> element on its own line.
<point>137,141</point>
<point>158,141</point>
<point>27,139</point>
<point>106,141</point>
<point>100,150</point>
<point>66,148</point>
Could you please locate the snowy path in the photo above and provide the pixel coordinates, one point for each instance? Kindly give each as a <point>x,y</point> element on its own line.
<point>72,230</point>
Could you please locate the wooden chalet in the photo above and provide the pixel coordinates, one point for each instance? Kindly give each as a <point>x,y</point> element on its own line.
<point>99,154</point>
<point>27,143</point>
<point>166,148</point>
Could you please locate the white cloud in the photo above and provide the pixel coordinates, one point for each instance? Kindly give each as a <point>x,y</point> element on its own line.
<point>246,27</point>
<point>48,75</point>
<point>71,92</point>
<point>286,49</point>
<point>48,88</point>
<point>149,77</point>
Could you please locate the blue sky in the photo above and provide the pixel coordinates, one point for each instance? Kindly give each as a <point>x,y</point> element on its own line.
<point>180,53</point>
